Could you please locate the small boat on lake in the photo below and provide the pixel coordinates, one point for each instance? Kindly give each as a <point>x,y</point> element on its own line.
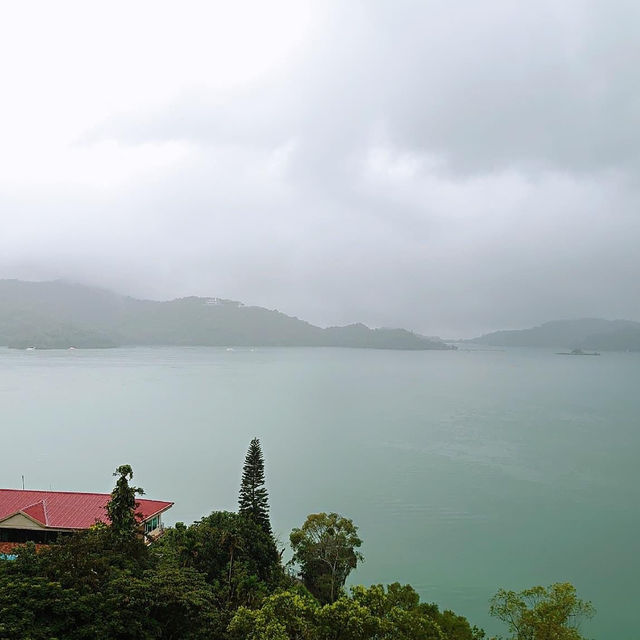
<point>578,352</point>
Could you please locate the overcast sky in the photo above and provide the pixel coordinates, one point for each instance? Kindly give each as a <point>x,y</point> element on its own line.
<point>452,167</point>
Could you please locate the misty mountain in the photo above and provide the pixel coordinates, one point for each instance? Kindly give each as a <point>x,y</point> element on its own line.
<point>625,338</point>
<point>61,315</point>
<point>589,333</point>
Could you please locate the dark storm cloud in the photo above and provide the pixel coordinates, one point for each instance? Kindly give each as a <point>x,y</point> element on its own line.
<point>449,167</point>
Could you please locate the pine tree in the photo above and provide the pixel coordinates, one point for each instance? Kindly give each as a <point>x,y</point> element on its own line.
<point>254,500</point>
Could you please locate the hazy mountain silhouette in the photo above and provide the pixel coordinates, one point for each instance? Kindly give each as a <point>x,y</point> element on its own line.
<point>61,315</point>
<point>589,333</point>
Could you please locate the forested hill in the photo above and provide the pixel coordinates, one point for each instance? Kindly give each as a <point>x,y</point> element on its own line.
<point>61,315</point>
<point>584,333</point>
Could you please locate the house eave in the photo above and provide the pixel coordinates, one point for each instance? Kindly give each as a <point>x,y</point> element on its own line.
<point>158,512</point>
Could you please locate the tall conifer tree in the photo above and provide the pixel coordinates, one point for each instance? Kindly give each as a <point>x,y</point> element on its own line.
<point>254,499</point>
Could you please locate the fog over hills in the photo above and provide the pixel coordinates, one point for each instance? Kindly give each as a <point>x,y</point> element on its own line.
<point>49,315</point>
<point>450,167</point>
<point>583,333</point>
<point>59,314</point>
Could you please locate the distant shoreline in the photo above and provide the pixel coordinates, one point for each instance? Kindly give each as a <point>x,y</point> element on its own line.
<point>240,347</point>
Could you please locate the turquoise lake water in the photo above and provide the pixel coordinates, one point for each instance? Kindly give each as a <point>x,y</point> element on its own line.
<point>466,471</point>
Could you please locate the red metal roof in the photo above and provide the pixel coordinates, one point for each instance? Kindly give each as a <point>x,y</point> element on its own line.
<point>66,509</point>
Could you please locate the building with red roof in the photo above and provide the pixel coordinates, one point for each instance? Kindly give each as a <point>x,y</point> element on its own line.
<point>42,516</point>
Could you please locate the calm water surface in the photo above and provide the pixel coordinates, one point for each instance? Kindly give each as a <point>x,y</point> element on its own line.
<point>466,471</point>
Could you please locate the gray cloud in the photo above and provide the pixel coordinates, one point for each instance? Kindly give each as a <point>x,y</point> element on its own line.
<point>487,86</point>
<point>449,167</point>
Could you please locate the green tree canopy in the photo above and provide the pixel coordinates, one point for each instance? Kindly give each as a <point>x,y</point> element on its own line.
<point>542,613</point>
<point>234,554</point>
<point>374,613</point>
<point>325,548</point>
<point>93,585</point>
<point>121,508</point>
<point>254,500</point>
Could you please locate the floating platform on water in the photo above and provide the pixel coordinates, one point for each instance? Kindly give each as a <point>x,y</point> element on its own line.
<point>577,352</point>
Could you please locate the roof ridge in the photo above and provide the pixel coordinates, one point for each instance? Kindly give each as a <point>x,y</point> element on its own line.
<point>81,493</point>
<point>33,504</point>
<point>25,511</point>
<point>74,493</point>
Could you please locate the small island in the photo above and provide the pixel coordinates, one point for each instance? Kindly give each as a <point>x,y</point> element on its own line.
<point>577,352</point>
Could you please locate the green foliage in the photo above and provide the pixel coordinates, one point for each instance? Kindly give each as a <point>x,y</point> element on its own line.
<point>539,613</point>
<point>325,548</point>
<point>373,613</point>
<point>182,604</point>
<point>221,578</point>
<point>253,502</point>
<point>236,556</point>
<point>282,616</point>
<point>89,559</point>
<point>347,618</point>
<point>34,607</point>
<point>121,508</point>
<point>105,583</point>
<point>93,585</point>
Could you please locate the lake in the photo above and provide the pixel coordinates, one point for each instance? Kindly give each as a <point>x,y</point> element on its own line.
<point>466,471</point>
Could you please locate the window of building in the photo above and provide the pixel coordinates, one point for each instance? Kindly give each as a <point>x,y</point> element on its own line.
<point>151,525</point>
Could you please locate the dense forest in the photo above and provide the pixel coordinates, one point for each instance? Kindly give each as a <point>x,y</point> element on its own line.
<point>222,577</point>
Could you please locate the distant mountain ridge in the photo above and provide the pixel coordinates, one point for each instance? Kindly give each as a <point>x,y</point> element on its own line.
<point>582,333</point>
<point>50,315</point>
